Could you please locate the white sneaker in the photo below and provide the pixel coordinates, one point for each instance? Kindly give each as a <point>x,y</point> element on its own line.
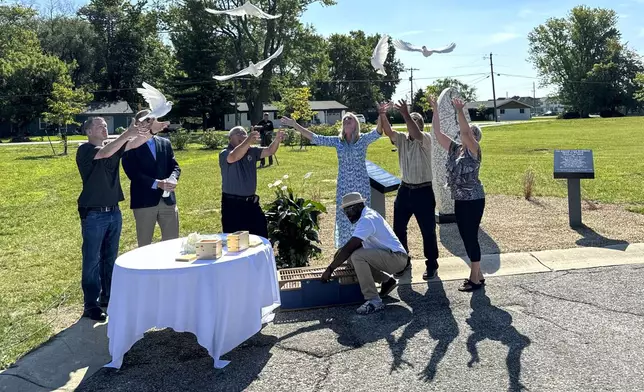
<point>370,307</point>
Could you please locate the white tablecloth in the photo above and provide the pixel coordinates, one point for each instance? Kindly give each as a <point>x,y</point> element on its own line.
<point>223,302</point>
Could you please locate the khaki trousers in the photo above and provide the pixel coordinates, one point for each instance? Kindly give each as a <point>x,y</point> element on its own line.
<point>373,265</point>
<point>146,218</point>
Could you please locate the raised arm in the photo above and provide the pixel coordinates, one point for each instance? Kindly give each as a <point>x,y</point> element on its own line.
<point>238,152</point>
<point>293,124</point>
<point>442,139</point>
<point>467,136</point>
<point>415,132</point>
<point>383,121</point>
<point>272,149</point>
<point>133,131</point>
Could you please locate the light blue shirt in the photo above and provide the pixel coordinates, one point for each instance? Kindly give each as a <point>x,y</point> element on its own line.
<point>153,149</point>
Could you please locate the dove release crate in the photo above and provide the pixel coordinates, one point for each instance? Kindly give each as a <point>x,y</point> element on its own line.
<point>301,288</point>
<point>209,249</point>
<point>237,241</point>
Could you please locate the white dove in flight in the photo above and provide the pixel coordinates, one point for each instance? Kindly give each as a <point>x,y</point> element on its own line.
<point>402,45</point>
<point>253,69</point>
<point>379,55</point>
<point>247,9</point>
<point>159,105</point>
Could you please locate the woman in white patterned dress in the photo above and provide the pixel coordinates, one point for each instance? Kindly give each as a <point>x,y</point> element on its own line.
<point>351,147</point>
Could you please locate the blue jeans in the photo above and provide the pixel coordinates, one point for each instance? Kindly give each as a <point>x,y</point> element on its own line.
<point>101,234</point>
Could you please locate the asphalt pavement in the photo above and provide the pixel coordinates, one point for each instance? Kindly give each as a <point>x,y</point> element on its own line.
<point>576,330</point>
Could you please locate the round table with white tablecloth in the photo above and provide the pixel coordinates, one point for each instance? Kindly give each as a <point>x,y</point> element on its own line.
<point>223,302</point>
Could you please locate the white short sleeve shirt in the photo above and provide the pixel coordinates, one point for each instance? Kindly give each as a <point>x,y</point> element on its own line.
<point>375,232</point>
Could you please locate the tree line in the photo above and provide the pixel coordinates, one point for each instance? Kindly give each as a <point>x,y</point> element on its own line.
<point>53,62</point>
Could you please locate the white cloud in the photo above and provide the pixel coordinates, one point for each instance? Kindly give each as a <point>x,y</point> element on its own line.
<point>501,37</point>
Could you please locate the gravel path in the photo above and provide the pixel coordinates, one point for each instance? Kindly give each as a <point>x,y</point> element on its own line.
<point>512,224</point>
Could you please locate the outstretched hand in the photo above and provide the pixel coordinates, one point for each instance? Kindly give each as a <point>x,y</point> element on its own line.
<point>253,136</point>
<point>402,107</point>
<point>458,103</point>
<point>289,122</point>
<point>383,107</point>
<point>280,135</point>
<point>433,102</point>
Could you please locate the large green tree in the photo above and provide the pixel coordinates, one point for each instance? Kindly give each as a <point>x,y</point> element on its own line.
<point>254,39</point>
<point>27,75</point>
<point>354,81</point>
<point>575,55</point>
<point>128,49</point>
<point>639,93</point>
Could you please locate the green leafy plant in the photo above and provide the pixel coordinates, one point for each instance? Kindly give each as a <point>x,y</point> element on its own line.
<point>213,140</point>
<point>180,139</point>
<point>293,225</point>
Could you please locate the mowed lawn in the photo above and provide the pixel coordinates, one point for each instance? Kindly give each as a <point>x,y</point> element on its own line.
<point>40,238</point>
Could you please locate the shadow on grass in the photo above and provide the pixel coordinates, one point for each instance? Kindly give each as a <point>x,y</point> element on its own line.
<point>41,157</point>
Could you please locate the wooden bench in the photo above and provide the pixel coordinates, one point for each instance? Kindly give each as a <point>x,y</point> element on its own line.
<point>301,288</point>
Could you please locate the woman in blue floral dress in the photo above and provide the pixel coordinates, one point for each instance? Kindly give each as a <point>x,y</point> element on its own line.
<point>351,147</point>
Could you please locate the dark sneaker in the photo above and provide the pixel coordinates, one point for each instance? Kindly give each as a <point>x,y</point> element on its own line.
<point>95,314</point>
<point>388,287</point>
<point>429,274</point>
<point>370,307</point>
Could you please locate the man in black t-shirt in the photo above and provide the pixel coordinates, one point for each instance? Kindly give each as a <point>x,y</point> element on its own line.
<point>100,216</point>
<point>265,129</point>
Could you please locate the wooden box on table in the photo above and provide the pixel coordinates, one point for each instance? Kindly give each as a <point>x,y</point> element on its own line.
<point>237,241</point>
<point>301,288</point>
<point>209,249</point>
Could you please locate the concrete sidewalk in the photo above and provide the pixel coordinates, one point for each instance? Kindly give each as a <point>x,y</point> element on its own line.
<point>575,327</point>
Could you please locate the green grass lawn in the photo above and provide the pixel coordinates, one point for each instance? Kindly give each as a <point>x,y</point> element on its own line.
<point>40,233</point>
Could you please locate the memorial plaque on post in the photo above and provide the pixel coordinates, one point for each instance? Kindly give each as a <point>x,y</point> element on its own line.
<point>574,165</point>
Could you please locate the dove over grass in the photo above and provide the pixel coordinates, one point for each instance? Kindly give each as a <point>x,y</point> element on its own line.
<point>159,105</point>
<point>253,69</point>
<point>247,9</point>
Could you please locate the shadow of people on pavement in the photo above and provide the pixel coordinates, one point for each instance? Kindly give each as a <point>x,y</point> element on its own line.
<point>431,311</point>
<point>490,251</point>
<point>490,322</point>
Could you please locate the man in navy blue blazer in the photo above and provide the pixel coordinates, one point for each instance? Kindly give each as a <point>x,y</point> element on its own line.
<point>154,174</point>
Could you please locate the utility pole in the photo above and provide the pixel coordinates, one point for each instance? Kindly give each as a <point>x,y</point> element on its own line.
<point>237,122</point>
<point>496,117</point>
<point>534,99</point>
<point>411,84</point>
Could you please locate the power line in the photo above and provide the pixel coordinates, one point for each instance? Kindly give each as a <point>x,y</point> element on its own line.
<point>196,83</point>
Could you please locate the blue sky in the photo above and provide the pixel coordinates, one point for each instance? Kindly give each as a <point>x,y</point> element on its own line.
<point>478,29</point>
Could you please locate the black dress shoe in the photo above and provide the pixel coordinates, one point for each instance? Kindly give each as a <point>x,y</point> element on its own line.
<point>95,314</point>
<point>429,274</point>
<point>388,287</point>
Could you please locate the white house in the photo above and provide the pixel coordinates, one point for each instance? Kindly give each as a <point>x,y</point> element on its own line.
<point>506,109</point>
<point>328,112</point>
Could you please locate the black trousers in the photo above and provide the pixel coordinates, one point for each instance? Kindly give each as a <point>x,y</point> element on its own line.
<point>468,219</point>
<point>238,213</point>
<point>419,202</point>
<point>266,140</point>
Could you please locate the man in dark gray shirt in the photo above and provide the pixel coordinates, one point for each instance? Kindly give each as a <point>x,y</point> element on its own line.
<point>98,208</point>
<point>240,209</point>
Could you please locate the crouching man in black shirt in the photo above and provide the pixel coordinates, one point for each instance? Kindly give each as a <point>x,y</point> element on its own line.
<point>100,216</point>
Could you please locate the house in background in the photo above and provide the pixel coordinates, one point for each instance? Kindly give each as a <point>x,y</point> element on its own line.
<point>328,112</point>
<point>116,114</point>
<point>506,109</point>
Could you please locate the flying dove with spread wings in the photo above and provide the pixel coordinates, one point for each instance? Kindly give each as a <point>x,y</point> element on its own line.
<point>253,69</point>
<point>379,55</point>
<point>159,105</point>
<point>247,9</point>
<point>406,46</point>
